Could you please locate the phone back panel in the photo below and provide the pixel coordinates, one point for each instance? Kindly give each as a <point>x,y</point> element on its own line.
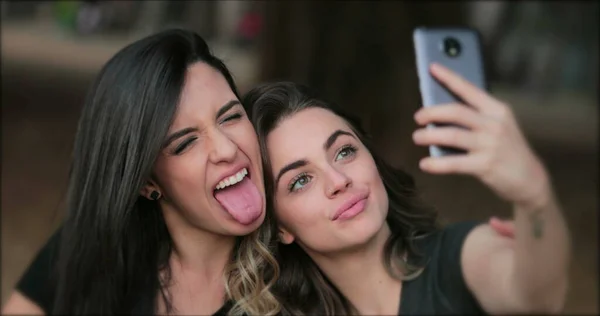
<point>429,48</point>
<point>428,44</point>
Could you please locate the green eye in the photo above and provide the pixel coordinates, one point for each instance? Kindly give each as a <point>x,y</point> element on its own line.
<point>345,152</point>
<point>299,182</point>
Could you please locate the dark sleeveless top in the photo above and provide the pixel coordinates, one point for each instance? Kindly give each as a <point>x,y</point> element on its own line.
<point>440,289</point>
<point>38,283</point>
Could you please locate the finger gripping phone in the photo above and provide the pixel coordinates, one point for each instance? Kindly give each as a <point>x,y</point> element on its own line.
<point>455,48</point>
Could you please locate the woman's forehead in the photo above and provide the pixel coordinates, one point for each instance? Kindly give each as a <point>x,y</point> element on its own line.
<point>302,133</point>
<point>204,93</point>
<point>205,84</point>
<point>306,126</point>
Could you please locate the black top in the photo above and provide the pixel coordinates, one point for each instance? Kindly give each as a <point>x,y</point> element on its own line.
<point>38,283</point>
<point>440,289</point>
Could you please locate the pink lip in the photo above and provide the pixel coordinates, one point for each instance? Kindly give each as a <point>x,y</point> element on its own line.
<point>351,207</point>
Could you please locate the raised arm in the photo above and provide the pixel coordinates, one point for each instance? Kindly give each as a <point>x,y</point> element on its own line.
<point>527,274</point>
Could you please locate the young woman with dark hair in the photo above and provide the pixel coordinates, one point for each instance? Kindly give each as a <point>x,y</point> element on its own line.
<point>354,237</point>
<point>165,194</point>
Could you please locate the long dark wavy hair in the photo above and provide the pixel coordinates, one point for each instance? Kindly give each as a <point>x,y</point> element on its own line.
<point>114,241</point>
<point>302,288</point>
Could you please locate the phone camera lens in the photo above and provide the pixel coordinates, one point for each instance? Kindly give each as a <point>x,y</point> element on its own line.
<point>452,47</point>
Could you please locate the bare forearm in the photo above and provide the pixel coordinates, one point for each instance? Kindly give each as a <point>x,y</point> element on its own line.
<point>542,251</point>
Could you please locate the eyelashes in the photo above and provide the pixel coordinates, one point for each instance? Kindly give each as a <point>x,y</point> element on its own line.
<point>300,181</point>
<point>232,117</point>
<point>345,152</point>
<point>181,147</point>
<point>185,144</point>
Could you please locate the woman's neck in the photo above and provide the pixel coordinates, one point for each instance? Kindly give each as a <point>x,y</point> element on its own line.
<point>197,265</point>
<point>198,250</point>
<point>362,278</point>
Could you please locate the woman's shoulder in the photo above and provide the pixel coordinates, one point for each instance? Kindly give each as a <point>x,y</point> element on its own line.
<point>441,286</point>
<point>449,237</point>
<point>38,282</point>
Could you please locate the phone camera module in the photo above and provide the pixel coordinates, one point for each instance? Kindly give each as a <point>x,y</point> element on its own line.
<point>452,47</point>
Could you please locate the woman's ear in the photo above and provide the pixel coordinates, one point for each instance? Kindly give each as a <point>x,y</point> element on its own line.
<point>151,191</point>
<point>285,237</point>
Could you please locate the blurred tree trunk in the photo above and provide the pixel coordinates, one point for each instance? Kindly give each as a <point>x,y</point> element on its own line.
<point>360,55</point>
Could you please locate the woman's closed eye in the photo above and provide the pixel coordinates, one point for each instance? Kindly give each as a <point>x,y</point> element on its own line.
<point>232,117</point>
<point>186,143</point>
<point>299,182</point>
<point>183,145</point>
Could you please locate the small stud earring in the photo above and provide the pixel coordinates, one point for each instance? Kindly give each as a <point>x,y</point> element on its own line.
<point>154,195</point>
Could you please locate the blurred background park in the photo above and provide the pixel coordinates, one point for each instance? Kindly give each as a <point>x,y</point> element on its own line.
<point>541,58</point>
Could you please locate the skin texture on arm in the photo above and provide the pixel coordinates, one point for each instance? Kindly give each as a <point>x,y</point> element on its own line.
<point>542,254</point>
<point>516,275</point>
<point>529,274</point>
<point>18,304</point>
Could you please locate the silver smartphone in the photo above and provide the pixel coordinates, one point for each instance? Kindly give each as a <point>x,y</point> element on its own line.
<point>455,48</point>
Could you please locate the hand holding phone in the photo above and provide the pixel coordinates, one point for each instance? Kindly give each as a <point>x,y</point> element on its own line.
<point>495,150</point>
<point>455,48</point>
